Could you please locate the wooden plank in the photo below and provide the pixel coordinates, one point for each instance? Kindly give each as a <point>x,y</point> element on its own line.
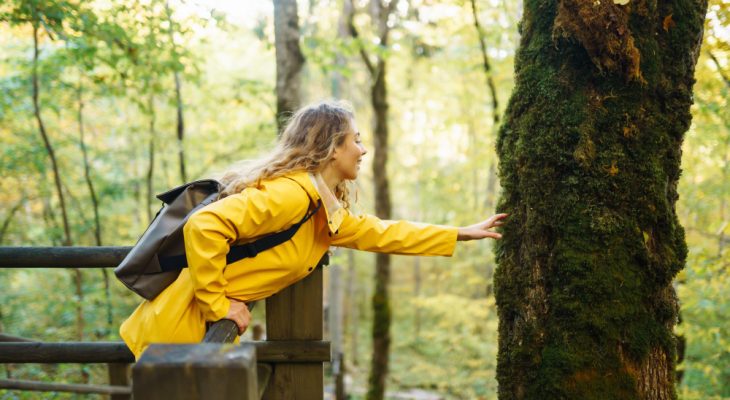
<point>65,352</point>
<point>289,351</point>
<point>293,351</point>
<point>223,331</point>
<point>263,374</point>
<point>296,314</point>
<point>119,376</point>
<point>26,385</point>
<point>62,257</point>
<point>296,382</point>
<point>196,371</point>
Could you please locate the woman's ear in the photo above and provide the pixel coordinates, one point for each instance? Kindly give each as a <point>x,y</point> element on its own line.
<point>335,153</point>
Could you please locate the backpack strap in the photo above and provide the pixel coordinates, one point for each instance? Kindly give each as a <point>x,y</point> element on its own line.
<point>247,250</point>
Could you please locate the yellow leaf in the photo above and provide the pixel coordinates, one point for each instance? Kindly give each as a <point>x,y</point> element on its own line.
<point>621,2</point>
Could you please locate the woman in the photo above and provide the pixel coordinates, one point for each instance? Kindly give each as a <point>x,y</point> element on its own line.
<point>318,154</point>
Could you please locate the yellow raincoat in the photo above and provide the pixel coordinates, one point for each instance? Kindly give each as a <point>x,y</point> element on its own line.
<point>201,293</point>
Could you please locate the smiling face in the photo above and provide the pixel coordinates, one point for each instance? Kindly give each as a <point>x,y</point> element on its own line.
<point>347,156</point>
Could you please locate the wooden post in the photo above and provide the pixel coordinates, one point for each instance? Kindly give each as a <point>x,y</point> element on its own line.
<point>119,376</point>
<point>296,314</point>
<point>196,371</point>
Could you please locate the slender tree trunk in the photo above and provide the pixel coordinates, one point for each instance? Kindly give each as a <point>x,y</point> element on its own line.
<point>46,140</point>
<point>335,325</point>
<point>589,164</point>
<point>417,270</point>
<point>723,196</point>
<point>336,303</point>
<point>720,71</point>
<point>151,155</point>
<point>353,299</point>
<point>381,298</point>
<point>492,88</point>
<point>491,191</point>
<point>379,101</point>
<point>180,128</point>
<point>485,63</point>
<point>77,276</point>
<point>178,100</point>
<point>289,60</point>
<point>725,168</point>
<point>417,295</point>
<point>9,218</point>
<point>52,226</point>
<point>94,201</point>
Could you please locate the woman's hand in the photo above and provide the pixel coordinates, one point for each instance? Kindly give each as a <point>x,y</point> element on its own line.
<point>239,313</point>
<point>481,230</point>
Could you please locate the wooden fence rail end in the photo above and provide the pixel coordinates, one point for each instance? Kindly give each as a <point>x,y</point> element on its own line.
<point>20,384</point>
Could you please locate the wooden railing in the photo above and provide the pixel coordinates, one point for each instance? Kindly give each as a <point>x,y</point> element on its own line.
<point>288,365</point>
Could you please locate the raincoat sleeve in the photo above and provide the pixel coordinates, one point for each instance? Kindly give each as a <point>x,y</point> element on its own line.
<point>211,230</point>
<point>367,232</point>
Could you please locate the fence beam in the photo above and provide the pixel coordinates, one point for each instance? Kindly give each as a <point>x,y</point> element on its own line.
<point>285,351</point>
<point>62,257</point>
<point>20,384</point>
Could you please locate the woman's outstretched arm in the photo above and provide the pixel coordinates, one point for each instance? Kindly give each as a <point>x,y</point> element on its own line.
<point>367,232</point>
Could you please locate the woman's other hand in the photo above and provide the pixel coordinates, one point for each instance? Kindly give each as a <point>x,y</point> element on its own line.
<point>239,313</point>
<point>482,229</point>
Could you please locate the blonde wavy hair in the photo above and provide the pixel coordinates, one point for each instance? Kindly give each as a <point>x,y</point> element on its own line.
<point>307,143</point>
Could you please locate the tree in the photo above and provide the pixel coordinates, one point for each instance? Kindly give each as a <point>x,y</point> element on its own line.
<point>589,162</point>
<point>289,60</point>
<point>379,101</point>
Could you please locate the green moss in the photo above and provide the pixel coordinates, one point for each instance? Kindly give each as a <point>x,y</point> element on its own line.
<point>588,165</point>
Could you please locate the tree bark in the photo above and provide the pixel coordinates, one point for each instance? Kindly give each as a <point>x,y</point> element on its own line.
<point>590,156</point>
<point>381,298</point>
<point>353,316</point>
<point>289,60</point>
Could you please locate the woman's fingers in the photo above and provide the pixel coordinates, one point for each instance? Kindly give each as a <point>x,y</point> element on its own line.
<point>493,235</point>
<point>496,220</point>
<point>239,313</point>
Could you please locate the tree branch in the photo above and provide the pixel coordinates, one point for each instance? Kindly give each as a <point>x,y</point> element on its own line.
<point>485,62</point>
<point>349,11</point>
<point>719,68</point>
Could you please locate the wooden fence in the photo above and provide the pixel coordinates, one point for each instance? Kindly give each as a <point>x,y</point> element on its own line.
<point>288,365</point>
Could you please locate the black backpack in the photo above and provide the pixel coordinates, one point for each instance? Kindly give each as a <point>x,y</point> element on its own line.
<point>159,255</point>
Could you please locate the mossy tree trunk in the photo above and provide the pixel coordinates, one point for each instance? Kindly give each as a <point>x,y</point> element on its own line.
<point>380,12</point>
<point>590,157</point>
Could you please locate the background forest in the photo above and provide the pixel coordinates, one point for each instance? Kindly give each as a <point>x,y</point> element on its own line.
<point>136,97</point>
